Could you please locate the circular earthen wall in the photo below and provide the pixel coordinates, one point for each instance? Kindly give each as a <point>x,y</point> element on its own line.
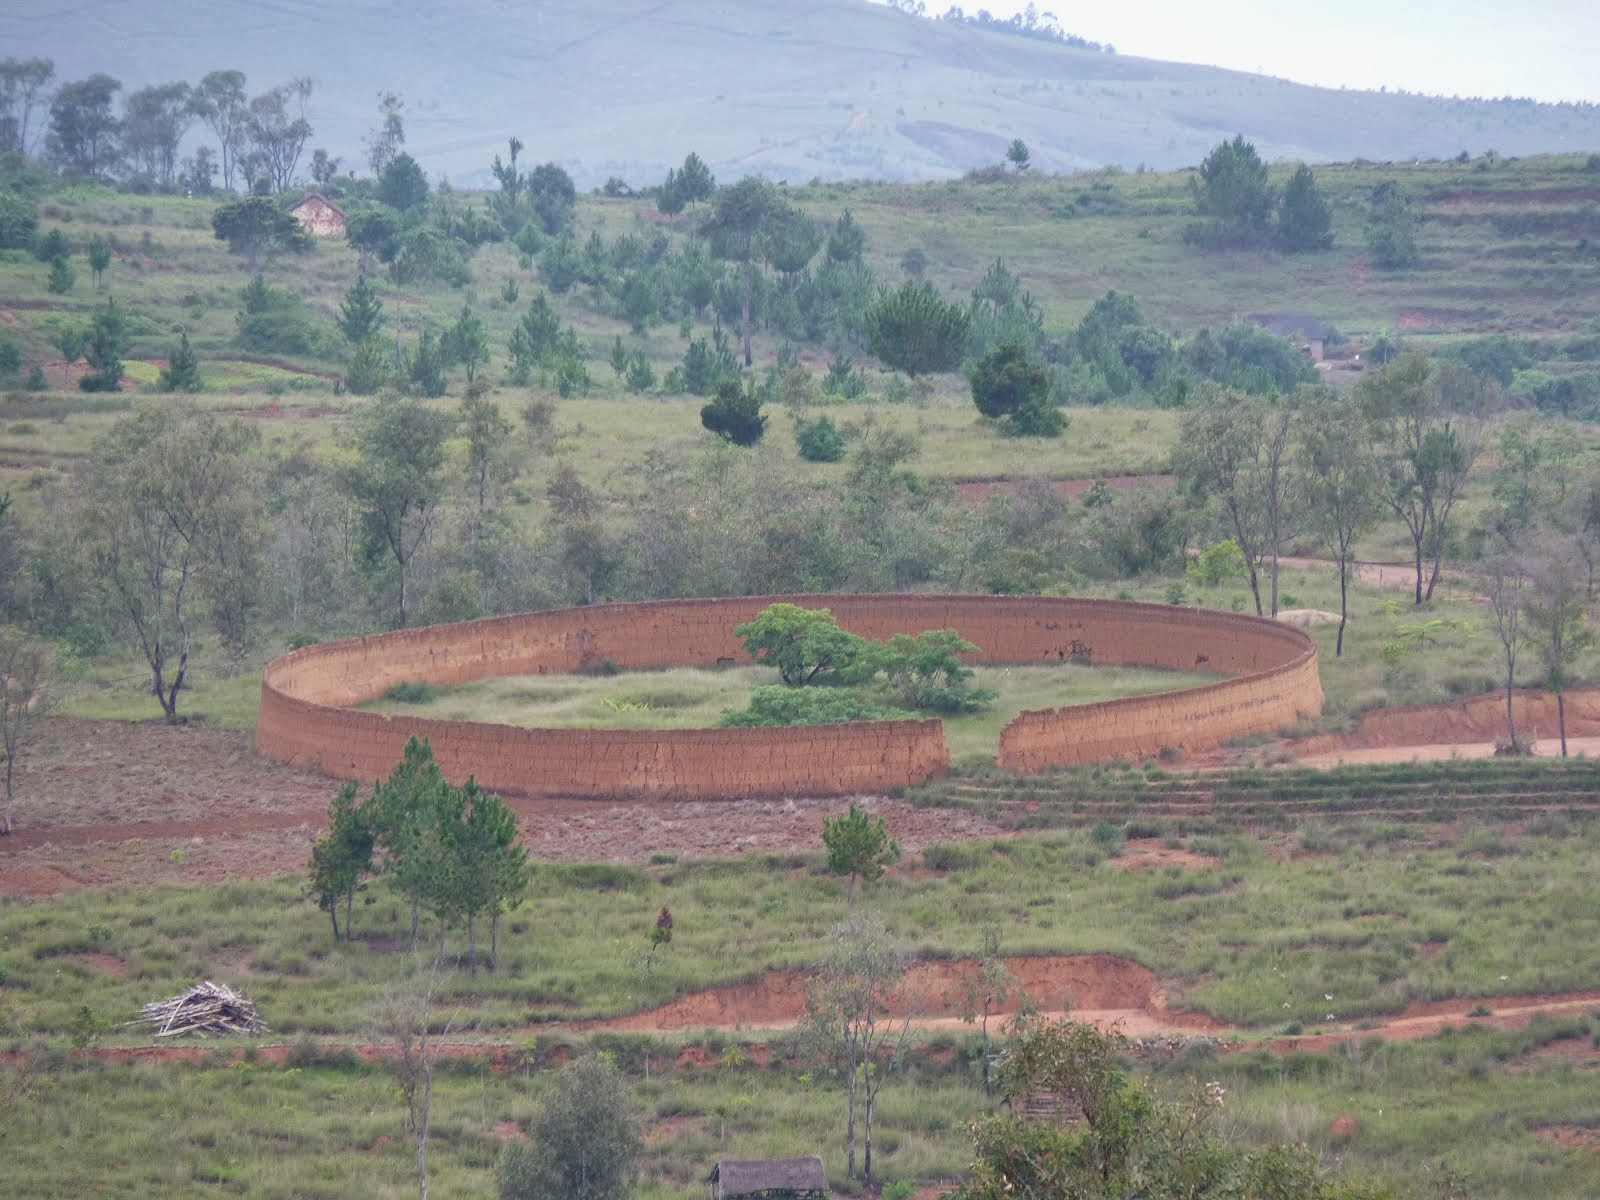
<point>307,697</point>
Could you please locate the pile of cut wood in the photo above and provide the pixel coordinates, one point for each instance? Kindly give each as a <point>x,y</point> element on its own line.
<point>207,1010</point>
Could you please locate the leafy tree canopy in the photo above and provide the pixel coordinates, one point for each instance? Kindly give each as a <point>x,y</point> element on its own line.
<point>803,643</point>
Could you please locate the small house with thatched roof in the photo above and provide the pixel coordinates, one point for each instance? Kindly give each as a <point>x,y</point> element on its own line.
<point>1312,334</point>
<point>320,216</point>
<point>769,1179</point>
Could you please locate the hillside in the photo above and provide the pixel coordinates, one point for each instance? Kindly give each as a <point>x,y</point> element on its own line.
<point>835,89</point>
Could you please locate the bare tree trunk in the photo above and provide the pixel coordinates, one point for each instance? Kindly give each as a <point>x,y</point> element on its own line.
<point>1344,603</point>
<point>1561,720</point>
<point>850,1125</point>
<point>744,309</point>
<point>866,1158</point>
<point>1511,720</point>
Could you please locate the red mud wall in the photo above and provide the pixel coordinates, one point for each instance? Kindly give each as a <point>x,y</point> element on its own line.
<point>306,718</point>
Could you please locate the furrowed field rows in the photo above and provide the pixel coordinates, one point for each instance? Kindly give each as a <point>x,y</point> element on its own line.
<point>1411,792</point>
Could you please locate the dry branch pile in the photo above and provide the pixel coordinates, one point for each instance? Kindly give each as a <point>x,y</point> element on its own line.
<point>207,1009</point>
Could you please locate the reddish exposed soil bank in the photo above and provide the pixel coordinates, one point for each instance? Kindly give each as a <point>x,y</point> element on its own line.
<point>1111,993</point>
<point>1481,719</point>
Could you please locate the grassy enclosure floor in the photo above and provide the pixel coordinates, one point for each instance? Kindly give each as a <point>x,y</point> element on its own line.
<point>694,698</point>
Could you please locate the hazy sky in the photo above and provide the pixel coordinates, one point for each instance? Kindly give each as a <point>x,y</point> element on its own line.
<point>1547,49</point>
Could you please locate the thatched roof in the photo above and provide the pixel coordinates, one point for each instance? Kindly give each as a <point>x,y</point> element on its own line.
<point>743,1177</point>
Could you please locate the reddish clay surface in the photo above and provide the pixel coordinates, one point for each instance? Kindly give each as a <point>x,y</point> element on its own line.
<point>105,803</point>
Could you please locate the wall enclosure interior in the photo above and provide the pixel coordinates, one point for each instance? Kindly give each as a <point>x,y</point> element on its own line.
<point>308,718</point>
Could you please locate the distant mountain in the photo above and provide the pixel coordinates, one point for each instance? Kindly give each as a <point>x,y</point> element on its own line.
<point>826,88</point>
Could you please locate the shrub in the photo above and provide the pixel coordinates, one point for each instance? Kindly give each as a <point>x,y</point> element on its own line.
<point>777,705</point>
<point>819,440</point>
<point>412,692</point>
<point>735,414</point>
<point>1216,564</point>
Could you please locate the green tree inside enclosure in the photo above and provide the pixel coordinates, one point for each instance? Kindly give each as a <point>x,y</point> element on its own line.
<point>805,644</point>
<point>858,848</point>
<point>734,413</point>
<point>913,329</point>
<point>257,229</point>
<point>584,1142</point>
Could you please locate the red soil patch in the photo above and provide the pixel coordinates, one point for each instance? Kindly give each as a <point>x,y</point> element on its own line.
<point>107,803</point>
<point>108,964</point>
<point>977,490</point>
<point>1570,1137</point>
<point>1148,854</point>
<point>1093,987</point>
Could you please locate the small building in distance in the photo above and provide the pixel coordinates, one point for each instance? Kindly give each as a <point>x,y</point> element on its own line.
<point>1311,332</point>
<point>769,1179</point>
<point>320,216</point>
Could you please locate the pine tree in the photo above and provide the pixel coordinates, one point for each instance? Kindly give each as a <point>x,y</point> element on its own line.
<point>1305,222</point>
<point>183,369</point>
<point>361,314</point>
